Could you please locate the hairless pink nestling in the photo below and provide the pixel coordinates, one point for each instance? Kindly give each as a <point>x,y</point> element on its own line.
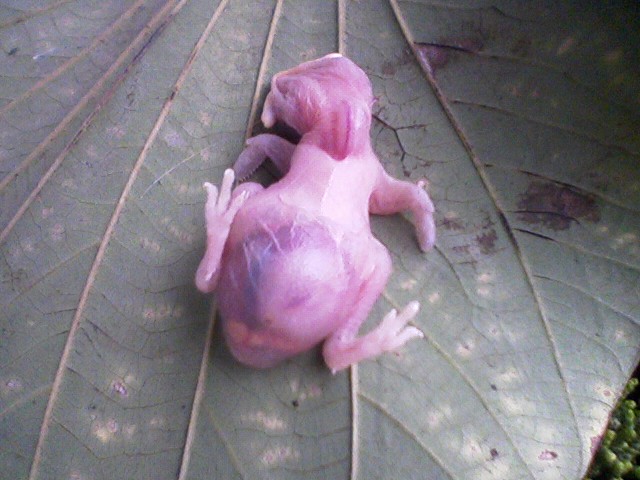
<point>296,264</point>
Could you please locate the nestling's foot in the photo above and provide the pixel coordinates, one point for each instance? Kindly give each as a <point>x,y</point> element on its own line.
<point>220,208</point>
<point>390,335</point>
<point>393,332</point>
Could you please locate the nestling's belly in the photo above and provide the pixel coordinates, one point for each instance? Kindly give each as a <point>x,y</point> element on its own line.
<point>283,288</point>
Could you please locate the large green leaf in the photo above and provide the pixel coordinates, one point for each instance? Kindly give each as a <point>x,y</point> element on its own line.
<point>525,119</point>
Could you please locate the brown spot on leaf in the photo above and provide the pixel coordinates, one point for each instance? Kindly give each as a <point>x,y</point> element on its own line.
<point>487,238</point>
<point>556,206</point>
<point>436,55</point>
<point>548,455</point>
<point>389,67</point>
<point>462,249</point>
<point>451,223</point>
<point>494,453</point>
<point>432,57</point>
<point>487,241</point>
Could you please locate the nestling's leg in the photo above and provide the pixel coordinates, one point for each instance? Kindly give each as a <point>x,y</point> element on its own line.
<point>261,147</point>
<point>343,348</point>
<point>219,210</point>
<point>392,196</point>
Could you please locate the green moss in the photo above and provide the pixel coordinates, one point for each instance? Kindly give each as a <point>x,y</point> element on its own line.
<point>619,452</point>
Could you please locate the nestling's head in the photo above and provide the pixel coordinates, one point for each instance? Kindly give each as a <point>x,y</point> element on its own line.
<point>330,96</point>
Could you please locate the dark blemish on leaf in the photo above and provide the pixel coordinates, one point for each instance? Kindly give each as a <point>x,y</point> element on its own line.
<point>556,206</point>
<point>450,223</point>
<point>13,51</point>
<point>494,388</point>
<point>487,241</point>
<point>434,56</point>
<point>547,455</point>
<point>295,403</point>
<point>462,249</point>
<point>494,453</point>
<point>390,67</point>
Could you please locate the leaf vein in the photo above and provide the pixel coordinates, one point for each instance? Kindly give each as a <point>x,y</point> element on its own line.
<point>556,126</point>
<point>445,103</point>
<point>139,43</point>
<point>592,296</point>
<point>424,447</point>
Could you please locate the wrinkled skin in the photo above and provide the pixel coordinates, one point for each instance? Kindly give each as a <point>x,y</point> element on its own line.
<point>295,264</point>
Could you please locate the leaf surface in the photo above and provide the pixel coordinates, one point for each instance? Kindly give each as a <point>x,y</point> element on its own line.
<point>523,117</point>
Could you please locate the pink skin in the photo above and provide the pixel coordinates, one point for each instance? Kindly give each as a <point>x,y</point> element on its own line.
<point>296,264</point>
